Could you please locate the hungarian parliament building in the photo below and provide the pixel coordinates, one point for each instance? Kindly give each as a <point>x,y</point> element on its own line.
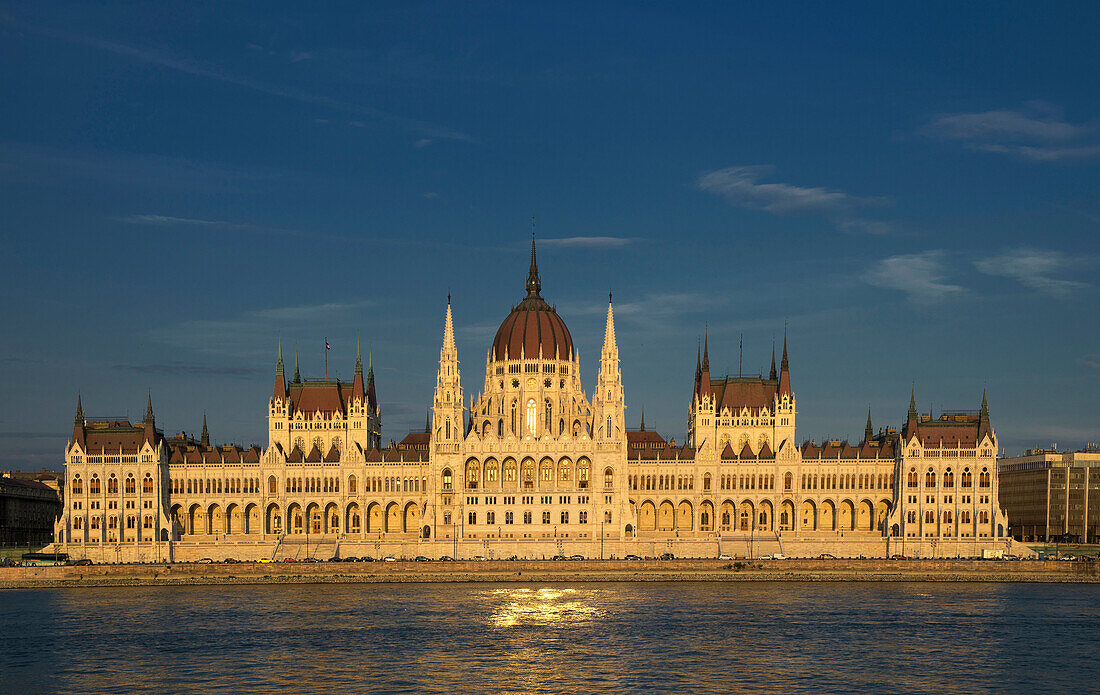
<point>533,466</point>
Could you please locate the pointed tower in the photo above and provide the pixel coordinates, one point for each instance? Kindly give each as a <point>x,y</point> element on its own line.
<point>609,409</point>
<point>358,390</point>
<point>868,432</point>
<point>772,375</point>
<point>205,441</point>
<point>784,370</point>
<point>984,427</point>
<point>374,410</point>
<point>297,375</point>
<point>79,433</point>
<point>912,418</point>
<point>149,423</point>
<point>280,379</point>
<point>448,403</point>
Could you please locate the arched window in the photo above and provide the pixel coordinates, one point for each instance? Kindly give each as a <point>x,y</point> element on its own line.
<point>788,480</point>
<point>948,478</point>
<point>93,485</point>
<point>473,473</point>
<point>510,471</point>
<point>546,471</point>
<point>447,479</point>
<point>514,418</point>
<point>112,485</point>
<point>532,417</point>
<point>273,485</point>
<point>78,485</point>
<point>912,478</point>
<point>966,479</point>
<point>500,429</point>
<point>706,481</point>
<point>608,478</point>
<point>492,471</point>
<point>983,478</point>
<point>930,478</point>
<point>608,430</point>
<point>528,473</point>
<point>353,485</point>
<point>131,484</point>
<point>548,409</point>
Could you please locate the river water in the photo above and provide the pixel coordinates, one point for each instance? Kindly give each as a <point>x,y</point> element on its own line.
<point>528,638</point>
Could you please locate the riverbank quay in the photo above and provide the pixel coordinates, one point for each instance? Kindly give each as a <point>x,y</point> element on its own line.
<point>1049,571</point>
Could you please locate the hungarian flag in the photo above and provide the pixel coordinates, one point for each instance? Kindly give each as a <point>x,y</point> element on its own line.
<point>327,346</point>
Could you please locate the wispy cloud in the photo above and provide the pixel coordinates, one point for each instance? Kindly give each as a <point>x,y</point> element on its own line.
<point>1036,132</point>
<point>190,369</point>
<point>249,334</point>
<point>1032,268</point>
<point>587,241</point>
<point>171,221</point>
<point>1091,361</point>
<point>198,68</point>
<point>919,275</point>
<point>741,186</point>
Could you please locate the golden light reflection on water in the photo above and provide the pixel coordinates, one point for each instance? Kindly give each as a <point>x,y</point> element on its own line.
<point>545,606</point>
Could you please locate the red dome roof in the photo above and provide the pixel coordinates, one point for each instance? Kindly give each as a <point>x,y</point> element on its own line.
<point>533,325</point>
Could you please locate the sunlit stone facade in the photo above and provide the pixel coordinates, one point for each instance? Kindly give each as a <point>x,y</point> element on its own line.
<point>532,466</point>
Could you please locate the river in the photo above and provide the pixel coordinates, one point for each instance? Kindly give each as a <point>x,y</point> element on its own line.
<point>552,638</point>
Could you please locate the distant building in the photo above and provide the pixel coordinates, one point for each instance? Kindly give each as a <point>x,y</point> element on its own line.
<point>28,511</point>
<point>529,463</point>
<point>1053,495</point>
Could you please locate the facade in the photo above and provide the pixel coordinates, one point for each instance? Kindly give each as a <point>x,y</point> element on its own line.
<point>29,511</point>
<point>1052,495</point>
<point>532,466</point>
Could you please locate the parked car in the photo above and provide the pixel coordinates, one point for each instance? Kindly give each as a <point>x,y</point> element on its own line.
<point>766,557</point>
<point>82,562</point>
<point>632,557</point>
<point>420,558</point>
<point>309,559</point>
<point>264,560</point>
<point>389,558</point>
<point>480,558</point>
<point>558,557</point>
<point>289,559</point>
<point>577,557</point>
<point>230,560</point>
<point>779,556</point>
<point>724,557</point>
<point>898,557</point>
<point>366,558</point>
<point>205,561</point>
<point>667,556</point>
<point>446,558</point>
<point>826,556</point>
<point>351,559</point>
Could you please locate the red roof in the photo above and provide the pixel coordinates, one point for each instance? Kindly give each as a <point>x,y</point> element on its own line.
<point>533,325</point>
<point>326,396</point>
<point>736,393</point>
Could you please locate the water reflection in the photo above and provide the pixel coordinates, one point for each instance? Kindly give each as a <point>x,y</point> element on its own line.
<point>543,606</point>
<point>502,638</point>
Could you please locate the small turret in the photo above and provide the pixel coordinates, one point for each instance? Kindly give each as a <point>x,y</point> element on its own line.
<point>297,379</point>
<point>772,374</point>
<point>280,379</point>
<point>205,432</point>
<point>868,432</point>
<point>984,427</point>
<point>784,370</point>
<point>357,388</point>
<point>78,425</point>
<point>149,423</point>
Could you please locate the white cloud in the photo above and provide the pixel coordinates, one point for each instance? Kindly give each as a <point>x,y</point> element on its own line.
<point>920,275</point>
<point>587,241</point>
<point>1032,268</point>
<point>1091,361</point>
<point>1036,132</point>
<point>739,186</point>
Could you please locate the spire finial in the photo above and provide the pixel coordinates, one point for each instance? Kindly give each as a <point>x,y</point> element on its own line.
<point>358,358</point>
<point>279,363</point>
<point>297,375</point>
<point>913,402</point>
<point>706,352</point>
<point>772,374</point>
<point>783,365</point>
<point>149,410</point>
<point>643,419</point>
<point>868,433</point>
<point>533,283</point>
<point>79,411</point>
<point>205,432</point>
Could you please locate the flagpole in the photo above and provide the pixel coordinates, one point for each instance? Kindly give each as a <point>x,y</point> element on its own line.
<point>326,358</point>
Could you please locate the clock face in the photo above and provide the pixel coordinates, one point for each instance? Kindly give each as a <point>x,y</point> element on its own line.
<point>531,383</point>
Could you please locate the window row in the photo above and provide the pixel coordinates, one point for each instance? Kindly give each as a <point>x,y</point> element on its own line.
<point>94,487</point>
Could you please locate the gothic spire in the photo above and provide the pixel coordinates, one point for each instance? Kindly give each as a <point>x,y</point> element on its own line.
<point>869,432</point>
<point>783,365</point>
<point>449,331</point>
<point>985,407</point>
<point>609,329</point>
<point>205,432</point>
<point>772,374</point>
<point>79,421</point>
<point>297,376</point>
<point>913,403</point>
<point>533,283</point>
<point>358,359</point>
<point>279,363</point>
<point>149,410</point>
<point>784,369</point>
<point>706,353</point>
<point>643,420</point>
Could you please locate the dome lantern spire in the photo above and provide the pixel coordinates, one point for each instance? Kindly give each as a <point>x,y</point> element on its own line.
<point>534,286</point>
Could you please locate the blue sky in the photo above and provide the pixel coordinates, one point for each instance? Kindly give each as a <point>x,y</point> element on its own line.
<point>911,190</point>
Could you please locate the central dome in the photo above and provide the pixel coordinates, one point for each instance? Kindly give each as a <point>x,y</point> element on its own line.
<point>532,326</point>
